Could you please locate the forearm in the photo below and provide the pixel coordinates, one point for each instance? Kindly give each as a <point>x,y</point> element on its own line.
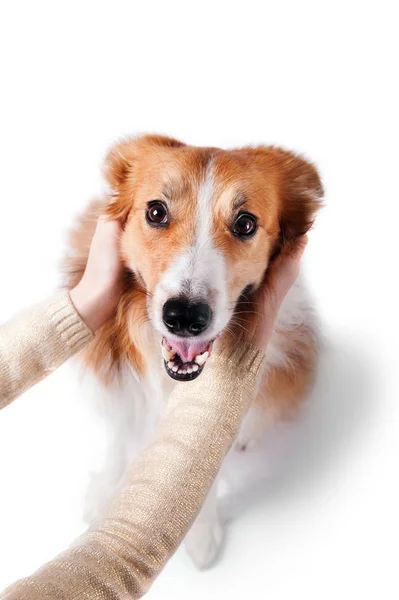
<point>36,342</point>
<point>122,555</point>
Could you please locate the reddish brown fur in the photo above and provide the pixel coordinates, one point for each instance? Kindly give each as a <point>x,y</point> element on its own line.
<point>284,387</point>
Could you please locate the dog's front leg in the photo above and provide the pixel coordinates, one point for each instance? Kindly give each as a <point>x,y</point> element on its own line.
<point>253,428</point>
<point>103,484</point>
<point>205,538</point>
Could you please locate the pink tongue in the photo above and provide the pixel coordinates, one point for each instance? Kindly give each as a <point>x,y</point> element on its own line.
<point>188,350</point>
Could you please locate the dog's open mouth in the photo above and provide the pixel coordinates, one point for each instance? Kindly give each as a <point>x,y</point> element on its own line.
<point>185,359</point>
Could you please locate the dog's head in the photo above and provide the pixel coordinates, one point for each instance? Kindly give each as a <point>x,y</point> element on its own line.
<point>200,227</point>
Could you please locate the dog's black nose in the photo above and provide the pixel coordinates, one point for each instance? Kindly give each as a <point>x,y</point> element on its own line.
<point>186,318</point>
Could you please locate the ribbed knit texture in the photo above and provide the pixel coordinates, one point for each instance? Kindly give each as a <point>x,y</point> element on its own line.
<point>36,342</point>
<point>119,557</point>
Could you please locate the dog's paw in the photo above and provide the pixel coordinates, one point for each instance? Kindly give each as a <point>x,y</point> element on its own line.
<point>251,431</point>
<point>248,437</point>
<point>244,443</point>
<point>203,543</point>
<point>97,498</point>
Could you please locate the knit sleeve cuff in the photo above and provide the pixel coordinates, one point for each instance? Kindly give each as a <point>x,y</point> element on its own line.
<point>243,358</point>
<point>68,323</point>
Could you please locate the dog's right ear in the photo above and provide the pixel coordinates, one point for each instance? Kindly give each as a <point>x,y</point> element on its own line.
<point>119,167</point>
<point>121,157</point>
<point>117,163</point>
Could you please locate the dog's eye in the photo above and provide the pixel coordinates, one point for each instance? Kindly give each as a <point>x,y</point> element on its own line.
<point>157,213</point>
<point>245,225</point>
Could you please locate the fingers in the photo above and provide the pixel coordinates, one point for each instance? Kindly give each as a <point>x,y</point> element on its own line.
<point>279,279</point>
<point>284,270</point>
<point>105,224</point>
<point>97,294</point>
<point>300,246</point>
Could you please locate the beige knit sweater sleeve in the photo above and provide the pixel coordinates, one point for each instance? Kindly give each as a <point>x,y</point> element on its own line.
<point>36,342</point>
<point>119,557</point>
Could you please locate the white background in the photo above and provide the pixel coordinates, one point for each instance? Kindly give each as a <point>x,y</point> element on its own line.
<point>317,77</point>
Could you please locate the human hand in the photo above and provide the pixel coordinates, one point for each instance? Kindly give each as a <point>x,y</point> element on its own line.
<point>279,279</point>
<point>97,294</point>
<point>255,317</point>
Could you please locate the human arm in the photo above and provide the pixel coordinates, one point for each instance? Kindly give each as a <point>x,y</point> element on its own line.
<point>121,556</point>
<point>36,342</point>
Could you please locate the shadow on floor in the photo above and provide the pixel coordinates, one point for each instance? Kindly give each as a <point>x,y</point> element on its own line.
<point>337,413</point>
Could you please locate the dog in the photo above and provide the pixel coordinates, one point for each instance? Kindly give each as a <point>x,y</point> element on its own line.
<point>200,228</point>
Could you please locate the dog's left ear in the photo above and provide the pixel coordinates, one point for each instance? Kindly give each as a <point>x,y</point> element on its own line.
<point>301,194</point>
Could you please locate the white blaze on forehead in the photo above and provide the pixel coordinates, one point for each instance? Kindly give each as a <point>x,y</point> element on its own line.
<point>204,264</point>
<point>204,219</point>
<point>199,270</point>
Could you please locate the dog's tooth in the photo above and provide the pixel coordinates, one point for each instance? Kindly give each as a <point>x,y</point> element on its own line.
<point>201,359</point>
<point>189,369</point>
<point>195,368</point>
<point>168,355</point>
<point>175,368</point>
<point>170,364</point>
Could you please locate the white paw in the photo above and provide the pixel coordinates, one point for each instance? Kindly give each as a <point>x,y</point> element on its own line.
<point>245,442</point>
<point>203,543</point>
<point>98,494</point>
<point>252,430</point>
